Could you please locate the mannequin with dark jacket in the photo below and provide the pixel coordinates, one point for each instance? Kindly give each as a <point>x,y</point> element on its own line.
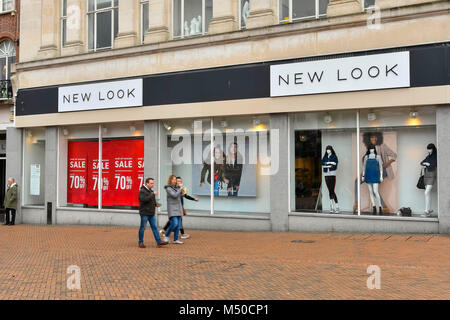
<point>329,166</point>
<point>430,174</point>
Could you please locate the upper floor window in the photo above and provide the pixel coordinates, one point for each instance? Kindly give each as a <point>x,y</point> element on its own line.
<point>368,3</point>
<point>191,17</point>
<point>64,22</point>
<point>244,11</point>
<point>144,18</point>
<point>296,10</point>
<point>103,23</point>
<point>6,5</point>
<point>7,57</point>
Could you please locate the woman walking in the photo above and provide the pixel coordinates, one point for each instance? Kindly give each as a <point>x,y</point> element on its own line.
<point>174,208</point>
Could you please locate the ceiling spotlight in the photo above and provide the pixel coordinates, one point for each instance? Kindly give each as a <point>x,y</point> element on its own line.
<point>413,114</point>
<point>327,119</point>
<point>223,124</point>
<point>168,128</point>
<point>65,132</point>
<point>371,116</point>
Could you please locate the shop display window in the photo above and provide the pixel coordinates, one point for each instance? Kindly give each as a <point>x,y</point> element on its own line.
<point>120,175</point>
<point>34,167</point>
<point>387,153</point>
<point>191,17</point>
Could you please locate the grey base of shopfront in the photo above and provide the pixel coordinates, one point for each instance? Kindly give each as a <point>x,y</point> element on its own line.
<point>280,219</point>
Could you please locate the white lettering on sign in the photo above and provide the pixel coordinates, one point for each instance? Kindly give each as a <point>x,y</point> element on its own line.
<point>114,94</point>
<point>379,71</point>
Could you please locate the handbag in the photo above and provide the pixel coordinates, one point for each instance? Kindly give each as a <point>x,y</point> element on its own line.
<point>421,182</point>
<point>184,212</point>
<point>404,212</point>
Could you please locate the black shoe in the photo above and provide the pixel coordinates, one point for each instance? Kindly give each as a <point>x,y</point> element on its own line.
<point>11,224</point>
<point>381,211</point>
<point>6,224</point>
<point>374,211</point>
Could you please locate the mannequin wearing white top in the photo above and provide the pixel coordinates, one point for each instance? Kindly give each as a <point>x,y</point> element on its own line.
<point>373,186</point>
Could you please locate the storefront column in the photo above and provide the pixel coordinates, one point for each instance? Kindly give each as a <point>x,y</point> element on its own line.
<point>75,28</point>
<point>262,14</point>
<point>51,174</point>
<point>279,180</point>
<point>224,16</point>
<point>151,153</point>
<point>343,7</point>
<point>128,24</point>
<point>158,29</point>
<point>443,147</point>
<point>49,29</point>
<point>14,162</point>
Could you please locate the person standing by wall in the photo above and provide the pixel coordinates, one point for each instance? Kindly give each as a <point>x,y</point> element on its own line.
<point>174,208</point>
<point>10,202</point>
<point>147,208</point>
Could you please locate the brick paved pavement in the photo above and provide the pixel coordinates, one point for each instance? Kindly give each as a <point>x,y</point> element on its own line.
<point>219,265</point>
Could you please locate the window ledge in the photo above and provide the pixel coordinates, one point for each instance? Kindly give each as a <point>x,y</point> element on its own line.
<point>33,207</point>
<point>237,215</point>
<point>6,12</point>
<point>365,217</point>
<point>127,211</point>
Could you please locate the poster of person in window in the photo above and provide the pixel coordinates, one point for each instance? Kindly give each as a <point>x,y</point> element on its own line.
<point>233,177</point>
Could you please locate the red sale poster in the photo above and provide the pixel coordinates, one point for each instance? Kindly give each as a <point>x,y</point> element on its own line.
<point>124,176</point>
<point>122,172</point>
<point>77,174</point>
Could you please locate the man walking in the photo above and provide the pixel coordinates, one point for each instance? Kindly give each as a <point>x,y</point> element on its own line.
<point>10,202</point>
<point>147,205</point>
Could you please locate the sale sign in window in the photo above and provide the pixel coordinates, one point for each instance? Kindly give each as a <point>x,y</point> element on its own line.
<point>122,172</point>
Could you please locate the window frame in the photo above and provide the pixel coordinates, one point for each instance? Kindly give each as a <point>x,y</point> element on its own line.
<point>2,2</point>
<point>4,54</point>
<point>95,12</point>
<point>366,8</point>
<point>63,20</point>
<point>142,4</point>
<point>316,16</point>
<point>240,14</point>
<point>182,36</point>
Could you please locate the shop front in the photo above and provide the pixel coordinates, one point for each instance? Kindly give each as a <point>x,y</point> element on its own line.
<point>332,143</point>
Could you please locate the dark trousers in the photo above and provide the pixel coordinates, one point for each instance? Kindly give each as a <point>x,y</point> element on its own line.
<point>181,224</point>
<point>10,213</point>
<point>331,184</point>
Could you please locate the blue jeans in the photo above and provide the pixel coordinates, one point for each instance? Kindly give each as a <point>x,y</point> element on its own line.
<point>175,223</point>
<point>152,221</point>
<point>216,188</point>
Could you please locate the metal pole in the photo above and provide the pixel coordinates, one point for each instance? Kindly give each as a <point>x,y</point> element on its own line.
<point>100,165</point>
<point>358,176</point>
<point>212,165</point>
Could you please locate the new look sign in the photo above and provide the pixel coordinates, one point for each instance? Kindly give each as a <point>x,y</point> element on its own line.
<point>104,95</point>
<point>380,71</point>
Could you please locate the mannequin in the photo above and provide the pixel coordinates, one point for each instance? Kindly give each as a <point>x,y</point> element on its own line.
<point>373,175</point>
<point>245,13</point>
<point>193,25</point>
<point>329,165</point>
<point>198,27</point>
<point>186,29</point>
<point>430,164</point>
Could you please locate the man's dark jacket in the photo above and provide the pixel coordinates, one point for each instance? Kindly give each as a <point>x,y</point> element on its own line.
<point>147,202</point>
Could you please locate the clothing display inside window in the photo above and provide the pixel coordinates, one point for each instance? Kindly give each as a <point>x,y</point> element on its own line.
<point>380,154</point>
<point>430,174</point>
